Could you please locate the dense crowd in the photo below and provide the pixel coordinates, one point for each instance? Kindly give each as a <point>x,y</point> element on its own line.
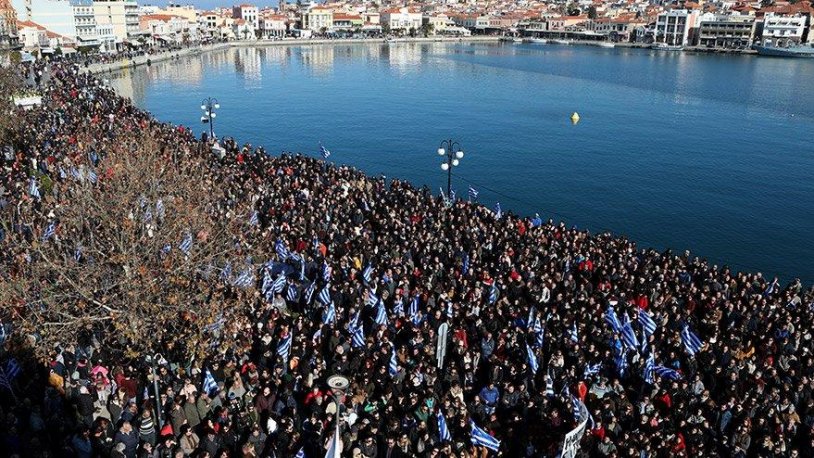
<point>539,318</point>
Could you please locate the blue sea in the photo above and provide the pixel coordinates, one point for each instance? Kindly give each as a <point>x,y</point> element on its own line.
<point>707,153</point>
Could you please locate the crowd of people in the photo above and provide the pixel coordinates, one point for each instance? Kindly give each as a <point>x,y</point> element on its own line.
<point>535,320</point>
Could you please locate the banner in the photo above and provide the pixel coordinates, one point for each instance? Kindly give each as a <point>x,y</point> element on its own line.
<point>570,446</point>
<point>441,346</point>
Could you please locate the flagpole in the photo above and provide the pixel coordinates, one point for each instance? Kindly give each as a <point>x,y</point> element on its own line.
<point>338,385</point>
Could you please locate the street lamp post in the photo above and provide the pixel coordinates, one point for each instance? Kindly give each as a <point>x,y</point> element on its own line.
<point>209,105</point>
<point>452,150</point>
<point>338,385</point>
<point>157,405</point>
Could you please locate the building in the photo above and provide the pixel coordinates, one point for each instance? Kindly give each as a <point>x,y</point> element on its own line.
<point>85,24</point>
<point>736,31</point>
<point>33,36</point>
<point>273,25</point>
<point>347,22</point>
<point>248,13</point>
<point>122,15</point>
<point>8,28</point>
<point>674,27</point>
<point>166,28</point>
<point>784,30</point>
<point>617,29</point>
<point>54,15</point>
<point>402,19</point>
<point>318,19</point>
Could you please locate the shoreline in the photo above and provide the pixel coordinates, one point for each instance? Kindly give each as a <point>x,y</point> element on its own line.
<point>196,50</point>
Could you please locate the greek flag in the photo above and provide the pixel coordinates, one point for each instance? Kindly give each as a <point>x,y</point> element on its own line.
<point>621,363</point>
<point>666,372</point>
<point>326,271</point>
<point>493,293</point>
<point>443,431</point>
<point>770,289</point>
<point>465,265</point>
<point>77,254</point>
<point>481,438</point>
<point>279,284</point>
<point>498,211</point>
<point>209,384</point>
<point>245,279</point>
<point>414,307</point>
<point>398,307</point>
<point>537,221</point>
<point>284,347</point>
<point>282,251</point>
<point>691,341</point>
<point>591,369</point>
<point>576,406</point>
<point>186,243</point>
<point>148,216</point>
<point>324,151</point>
<point>549,383</point>
<point>452,196</point>
<point>309,293</point>
<point>628,335</point>
<point>381,314</point>
<point>367,273</point>
<point>393,367</point>
<point>291,293</point>
<point>13,369</point>
<point>325,294</point>
<point>301,453</point>
<point>254,220</point>
<point>573,334</point>
<point>75,173</point>
<point>533,364</point>
<point>539,334</point>
<point>612,319</point>
<point>62,173</point>
<point>159,208</point>
<point>357,336</point>
<point>166,248</point>
<point>649,366</point>
<point>268,282</point>
<point>92,176</point>
<point>33,190</point>
<point>329,315</point>
<point>646,322</point>
<point>372,298</point>
<point>49,232</point>
<point>473,193</point>
<point>315,243</point>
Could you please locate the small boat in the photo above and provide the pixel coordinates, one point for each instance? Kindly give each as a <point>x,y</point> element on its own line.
<point>606,44</point>
<point>666,47</point>
<point>518,40</point>
<point>787,51</point>
<point>539,41</point>
<point>561,42</point>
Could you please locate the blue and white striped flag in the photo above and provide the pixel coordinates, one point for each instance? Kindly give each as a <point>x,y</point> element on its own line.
<point>186,243</point>
<point>573,333</point>
<point>649,366</point>
<point>209,383</point>
<point>309,293</point>
<point>621,363</point>
<point>77,254</point>
<point>49,231</point>
<point>159,209</point>
<point>325,294</point>
<point>493,293</point>
<point>443,431</point>
<point>254,219</point>
<point>591,369</point>
<point>268,282</point>
<point>398,307</point>
<point>532,358</point>
<point>315,244</point>
<point>166,249</point>
<point>452,196</point>
<point>465,264</point>
<point>281,250</point>
<point>33,189</point>
<point>647,323</point>
<point>291,293</point>
<point>549,383</point>
<point>381,314</point>
<point>414,307</point>
<point>393,366</point>
<point>770,289</point>
<point>284,347</point>
<point>92,177</point>
<point>301,453</point>
<point>329,314</point>
<point>327,271</point>
<point>498,211</point>
<point>245,279</point>
<point>473,193</point>
<point>367,274</point>
<point>324,151</point>
<point>612,319</point>
<point>372,298</point>
<point>481,438</point>
<point>691,341</point>
<point>667,373</point>
<point>539,332</point>
<point>357,336</point>
<point>279,284</point>
<point>629,336</point>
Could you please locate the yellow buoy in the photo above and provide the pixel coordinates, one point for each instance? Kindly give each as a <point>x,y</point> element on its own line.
<point>575,118</point>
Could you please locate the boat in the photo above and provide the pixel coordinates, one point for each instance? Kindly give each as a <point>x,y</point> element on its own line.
<point>518,40</point>
<point>561,42</point>
<point>606,44</point>
<point>539,41</point>
<point>666,47</point>
<point>784,51</point>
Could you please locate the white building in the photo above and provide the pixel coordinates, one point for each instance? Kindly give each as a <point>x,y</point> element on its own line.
<point>273,25</point>
<point>783,30</point>
<point>248,13</point>
<point>85,22</point>
<point>121,14</point>
<point>674,27</point>
<point>402,19</point>
<point>54,15</point>
<point>32,36</point>
<point>318,18</point>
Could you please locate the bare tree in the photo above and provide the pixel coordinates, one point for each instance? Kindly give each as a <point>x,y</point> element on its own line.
<point>138,246</point>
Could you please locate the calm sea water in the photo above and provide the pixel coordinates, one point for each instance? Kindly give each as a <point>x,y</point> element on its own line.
<point>707,153</point>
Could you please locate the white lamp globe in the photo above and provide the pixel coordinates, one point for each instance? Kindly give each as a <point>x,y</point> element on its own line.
<point>213,115</point>
<point>445,166</point>
<point>459,154</point>
<point>217,106</point>
<point>455,162</point>
<point>441,151</point>
<point>203,107</point>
